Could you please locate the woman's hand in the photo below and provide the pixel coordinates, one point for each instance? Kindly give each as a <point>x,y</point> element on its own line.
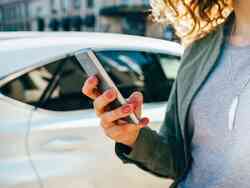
<point>115,128</point>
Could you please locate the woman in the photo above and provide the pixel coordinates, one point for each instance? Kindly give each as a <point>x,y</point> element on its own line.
<point>203,141</point>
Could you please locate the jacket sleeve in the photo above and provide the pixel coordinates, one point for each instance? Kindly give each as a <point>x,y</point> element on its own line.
<point>158,153</point>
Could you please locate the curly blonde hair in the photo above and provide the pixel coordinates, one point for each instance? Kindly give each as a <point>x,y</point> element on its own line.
<point>192,19</point>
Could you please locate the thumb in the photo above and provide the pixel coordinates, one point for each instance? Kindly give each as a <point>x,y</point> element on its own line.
<point>137,100</point>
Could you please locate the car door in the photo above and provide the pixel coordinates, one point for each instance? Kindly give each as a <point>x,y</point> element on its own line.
<point>16,168</point>
<point>66,144</point>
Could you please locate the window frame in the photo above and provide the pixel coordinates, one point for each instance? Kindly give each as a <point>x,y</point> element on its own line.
<point>12,76</point>
<point>21,72</point>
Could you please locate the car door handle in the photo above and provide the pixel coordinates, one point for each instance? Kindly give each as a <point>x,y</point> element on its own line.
<point>64,144</point>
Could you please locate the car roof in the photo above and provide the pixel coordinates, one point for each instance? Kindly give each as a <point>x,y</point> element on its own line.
<point>19,50</point>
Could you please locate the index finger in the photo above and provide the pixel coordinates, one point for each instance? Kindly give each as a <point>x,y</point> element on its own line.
<point>137,100</point>
<point>90,88</point>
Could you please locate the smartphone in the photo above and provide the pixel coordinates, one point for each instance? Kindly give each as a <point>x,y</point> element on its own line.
<point>92,66</point>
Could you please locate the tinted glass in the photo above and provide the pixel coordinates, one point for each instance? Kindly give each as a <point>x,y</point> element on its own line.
<point>66,94</point>
<point>29,87</point>
<point>152,74</point>
<point>57,86</point>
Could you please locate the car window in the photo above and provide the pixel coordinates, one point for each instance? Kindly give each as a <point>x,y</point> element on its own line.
<point>57,86</point>
<point>66,94</point>
<point>28,88</point>
<point>152,74</point>
<point>170,65</point>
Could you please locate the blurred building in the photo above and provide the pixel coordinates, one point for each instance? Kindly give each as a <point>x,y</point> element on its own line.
<point>18,15</point>
<point>70,13</point>
<point>123,16</point>
<point>14,15</point>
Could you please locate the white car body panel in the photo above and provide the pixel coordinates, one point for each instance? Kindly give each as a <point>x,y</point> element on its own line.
<point>36,50</point>
<point>15,168</point>
<point>76,149</point>
<point>66,149</point>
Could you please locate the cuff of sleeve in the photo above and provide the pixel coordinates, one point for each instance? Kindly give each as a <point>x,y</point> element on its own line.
<point>143,149</point>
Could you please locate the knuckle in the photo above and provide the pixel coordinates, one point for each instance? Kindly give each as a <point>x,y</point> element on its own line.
<point>116,113</point>
<point>100,102</point>
<point>85,90</point>
<point>110,116</point>
<point>96,104</point>
<point>105,118</point>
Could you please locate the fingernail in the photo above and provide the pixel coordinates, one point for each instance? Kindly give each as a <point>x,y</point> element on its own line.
<point>92,80</point>
<point>110,94</point>
<point>136,101</point>
<point>145,121</point>
<point>138,96</point>
<point>126,109</point>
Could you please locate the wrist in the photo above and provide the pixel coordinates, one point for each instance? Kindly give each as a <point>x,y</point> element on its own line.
<point>132,143</point>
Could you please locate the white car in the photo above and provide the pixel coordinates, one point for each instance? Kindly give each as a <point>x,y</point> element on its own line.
<point>50,136</point>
